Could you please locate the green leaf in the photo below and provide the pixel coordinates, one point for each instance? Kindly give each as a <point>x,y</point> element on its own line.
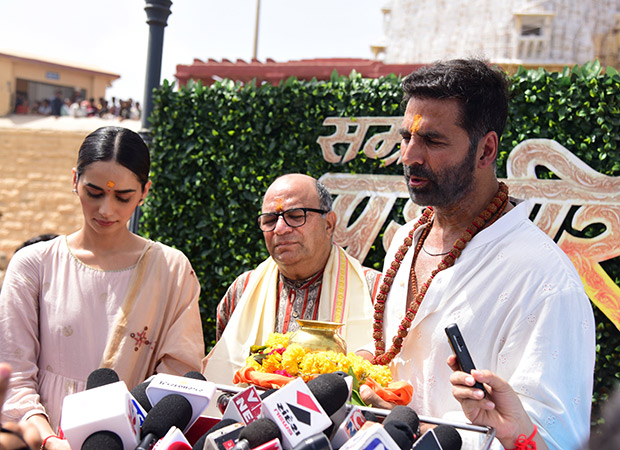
<point>356,399</point>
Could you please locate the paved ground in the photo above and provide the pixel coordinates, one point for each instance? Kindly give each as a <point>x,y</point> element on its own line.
<point>64,123</point>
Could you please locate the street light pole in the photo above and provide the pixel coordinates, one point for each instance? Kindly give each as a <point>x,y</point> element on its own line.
<point>157,12</point>
<point>254,55</point>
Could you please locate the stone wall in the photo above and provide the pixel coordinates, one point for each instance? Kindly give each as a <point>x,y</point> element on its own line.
<point>35,187</point>
<point>572,32</point>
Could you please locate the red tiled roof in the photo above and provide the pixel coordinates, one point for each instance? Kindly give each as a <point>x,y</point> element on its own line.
<point>273,72</point>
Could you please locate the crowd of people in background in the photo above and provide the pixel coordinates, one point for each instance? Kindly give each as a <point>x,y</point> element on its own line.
<point>77,106</point>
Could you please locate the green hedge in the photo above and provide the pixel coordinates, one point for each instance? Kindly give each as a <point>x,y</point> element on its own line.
<point>217,148</point>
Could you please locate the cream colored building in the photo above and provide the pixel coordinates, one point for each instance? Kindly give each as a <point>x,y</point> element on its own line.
<point>35,78</point>
<point>543,33</point>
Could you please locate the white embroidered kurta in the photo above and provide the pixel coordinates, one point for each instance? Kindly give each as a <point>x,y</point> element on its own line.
<point>524,314</point>
<point>56,315</point>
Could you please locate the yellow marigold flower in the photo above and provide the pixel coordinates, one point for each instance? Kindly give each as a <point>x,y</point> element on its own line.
<point>251,362</point>
<point>272,362</point>
<point>381,374</point>
<point>277,340</point>
<point>292,356</point>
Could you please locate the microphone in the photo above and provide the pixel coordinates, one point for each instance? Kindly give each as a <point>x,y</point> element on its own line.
<point>244,407</point>
<point>273,444</point>
<point>195,375</point>
<point>104,408</point>
<point>257,433</point>
<point>317,442</point>
<point>173,410</point>
<point>224,438</point>
<point>101,377</point>
<point>197,392</point>
<point>139,394</point>
<point>400,433</point>
<point>296,412</point>
<point>223,400</point>
<point>332,392</point>
<point>349,426</point>
<point>200,442</point>
<point>442,437</point>
<point>101,440</point>
<point>173,439</point>
<point>394,436</point>
<point>370,416</point>
<point>406,415</point>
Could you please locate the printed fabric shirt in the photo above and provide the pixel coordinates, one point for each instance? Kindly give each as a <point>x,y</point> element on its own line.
<point>524,314</point>
<point>298,299</point>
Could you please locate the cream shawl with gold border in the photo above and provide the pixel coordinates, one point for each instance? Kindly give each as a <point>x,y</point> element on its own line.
<point>344,298</point>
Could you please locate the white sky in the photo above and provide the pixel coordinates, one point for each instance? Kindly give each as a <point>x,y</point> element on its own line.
<point>113,34</point>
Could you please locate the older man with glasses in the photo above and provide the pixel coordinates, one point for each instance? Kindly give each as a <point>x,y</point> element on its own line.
<point>306,276</point>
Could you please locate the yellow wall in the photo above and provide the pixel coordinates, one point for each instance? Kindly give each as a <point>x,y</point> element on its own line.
<point>7,86</point>
<point>13,67</point>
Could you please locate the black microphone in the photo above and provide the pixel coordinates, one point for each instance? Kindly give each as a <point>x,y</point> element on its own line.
<point>370,416</point>
<point>139,394</point>
<point>223,400</point>
<point>267,393</point>
<point>195,375</point>
<point>103,440</point>
<point>442,437</point>
<point>330,390</point>
<point>200,443</point>
<point>257,433</point>
<point>101,377</point>
<point>407,415</point>
<point>317,442</point>
<point>400,432</point>
<point>171,411</point>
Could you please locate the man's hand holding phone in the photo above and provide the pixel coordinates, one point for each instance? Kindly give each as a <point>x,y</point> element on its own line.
<point>463,357</point>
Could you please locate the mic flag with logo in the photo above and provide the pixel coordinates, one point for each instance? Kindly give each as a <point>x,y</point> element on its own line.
<point>297,413</point>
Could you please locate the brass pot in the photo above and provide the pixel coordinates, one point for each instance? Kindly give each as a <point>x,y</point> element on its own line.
<point>316,336</point>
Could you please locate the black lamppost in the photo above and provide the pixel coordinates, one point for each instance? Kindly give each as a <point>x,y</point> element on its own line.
<point>157,12</point>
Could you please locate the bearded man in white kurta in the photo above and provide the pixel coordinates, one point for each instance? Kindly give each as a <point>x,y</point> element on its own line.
<point>475,258</point>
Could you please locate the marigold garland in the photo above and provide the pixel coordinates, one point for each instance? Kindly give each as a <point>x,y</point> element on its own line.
<point>276,356</point>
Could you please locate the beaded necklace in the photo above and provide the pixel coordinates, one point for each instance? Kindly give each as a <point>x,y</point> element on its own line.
<point>414,297</point>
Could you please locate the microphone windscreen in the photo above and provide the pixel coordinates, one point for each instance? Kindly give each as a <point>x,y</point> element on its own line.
<point>267,393</point>
<point>370,416</point>
<point>404,414</point>
<point>196,375</point>
<point>400,432</point>
<point>330,390</point>
<point>101,377</point>
<point>448,437</point>
<point>139,393</point>
<point>260,431</point>
<point>171,411</point>
<point>315,442</point>
<point>103,440</point>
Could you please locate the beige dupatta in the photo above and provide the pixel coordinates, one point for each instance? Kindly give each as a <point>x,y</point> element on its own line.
<point>344,298</point>
<point>158,326</point>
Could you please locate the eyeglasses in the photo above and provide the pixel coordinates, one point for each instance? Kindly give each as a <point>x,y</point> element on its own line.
<point>295,217</point>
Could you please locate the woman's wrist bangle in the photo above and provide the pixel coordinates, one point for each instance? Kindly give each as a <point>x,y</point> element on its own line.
<point>524,443</point>
<point>47,439</point>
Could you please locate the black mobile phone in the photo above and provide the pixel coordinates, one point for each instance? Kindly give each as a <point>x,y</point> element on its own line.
<point>459,348</point>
